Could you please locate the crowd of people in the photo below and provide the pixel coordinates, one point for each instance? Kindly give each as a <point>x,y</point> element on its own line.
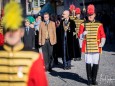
<point>66,36</point>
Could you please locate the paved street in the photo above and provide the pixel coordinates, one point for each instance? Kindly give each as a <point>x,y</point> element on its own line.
<point>77,75</point>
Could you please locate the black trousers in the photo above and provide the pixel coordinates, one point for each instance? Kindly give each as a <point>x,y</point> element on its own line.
<point>37,46</point>
<point>55,54</point>
<point>47,49</point>
<point>77,50</point>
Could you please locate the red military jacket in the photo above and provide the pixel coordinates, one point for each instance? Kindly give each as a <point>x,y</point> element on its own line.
<point>1,39</point>
<point>20,66</point>
<point>37,76</point>
<point>97,32</point>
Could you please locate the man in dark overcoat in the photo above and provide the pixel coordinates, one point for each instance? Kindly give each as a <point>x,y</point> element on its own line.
<point>67,36</point>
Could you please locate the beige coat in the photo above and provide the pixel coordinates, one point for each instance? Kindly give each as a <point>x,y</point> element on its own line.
<point>51,30</point>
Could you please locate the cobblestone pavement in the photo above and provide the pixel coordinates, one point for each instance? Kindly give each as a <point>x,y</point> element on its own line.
<point>77,75</point>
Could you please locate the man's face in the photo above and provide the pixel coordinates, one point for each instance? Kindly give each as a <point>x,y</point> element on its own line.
<point>13,38</point>
<point>27,23</point>
<point>46,17</point>
<point>91,17</point>
<point>38,18</point>
<point>65,15</point>
<point>78,15</point>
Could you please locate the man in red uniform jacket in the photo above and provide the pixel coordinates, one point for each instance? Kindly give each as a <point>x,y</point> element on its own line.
<point>93,36</point>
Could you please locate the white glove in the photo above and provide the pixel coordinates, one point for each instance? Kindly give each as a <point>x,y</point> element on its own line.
<point>85,33</point>
<point>102,42</point>
<point>80,43</point>
<point>81,37</point>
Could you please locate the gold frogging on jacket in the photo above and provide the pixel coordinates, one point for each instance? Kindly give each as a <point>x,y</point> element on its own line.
<point>66,27</point>
<point>91,37</point>
<point>15,65</point>
<point>78,22</point>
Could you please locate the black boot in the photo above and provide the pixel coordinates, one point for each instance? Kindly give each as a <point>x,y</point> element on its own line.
<point>94,74</point>
<point>88,70</point>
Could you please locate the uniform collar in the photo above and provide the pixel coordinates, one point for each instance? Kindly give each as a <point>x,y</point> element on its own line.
<point>13,48</point>
<point>78,18</point>
<point>92,21</point>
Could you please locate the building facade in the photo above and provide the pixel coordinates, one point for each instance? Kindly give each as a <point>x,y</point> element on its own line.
<point>30,7</point>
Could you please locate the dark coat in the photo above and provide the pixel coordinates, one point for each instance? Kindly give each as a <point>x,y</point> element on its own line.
<point>70,39</point>
<point>29,39</point>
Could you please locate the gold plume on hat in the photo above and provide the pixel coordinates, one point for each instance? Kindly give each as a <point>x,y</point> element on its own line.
<point>12,19</point>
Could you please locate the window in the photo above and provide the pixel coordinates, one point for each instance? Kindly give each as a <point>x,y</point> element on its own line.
<point>36,3</point>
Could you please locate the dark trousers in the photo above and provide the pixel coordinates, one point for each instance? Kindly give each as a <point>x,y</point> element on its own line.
<point>66,62</point>
<point>77,49</point>
<point>55,54</point>
<point>47,49</point>
<point>37,46</point>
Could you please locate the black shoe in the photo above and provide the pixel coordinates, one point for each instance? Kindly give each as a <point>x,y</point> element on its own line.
<point>69,68</point>
<point>94,82</point>
<point>50,70</point>
<point>89,83</point>
<point>77,59</point>
<point>65,68</point>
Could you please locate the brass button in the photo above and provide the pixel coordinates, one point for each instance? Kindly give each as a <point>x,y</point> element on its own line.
<point>11,54</point>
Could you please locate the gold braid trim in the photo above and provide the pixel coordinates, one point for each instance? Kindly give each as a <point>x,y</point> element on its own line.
<point>66,27</point>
